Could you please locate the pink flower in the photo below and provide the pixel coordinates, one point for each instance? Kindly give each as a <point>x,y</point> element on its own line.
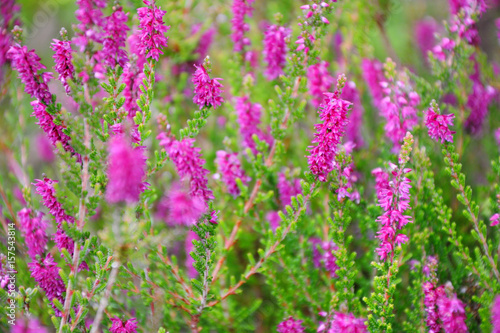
<point>353,129</point>
<point>180,208</point>
<point>28,325</point>
<point>126,171</point>
<point>115,35</point>
<point>495,314</point>
<point>373,74</point>
<point>495,220</point>
<point>424,32</point>
<point>319,81</point>
<point>54,132</point>
<point>249,119</point>
<point>239,27</point>
<point>430,300</point>
<point>478,103</point>
<point>153,30</point>
<point>189,164</point>
<point>290,325</point>
<point>89,13</point>
<point>437,124</point>
<point>394,198</point>
<point>329,133</point>
<point>452,314</point>
<point>33,230</point>
<point>347,323</point>
<point>46,274</point>
<point>287,189</point>
<point>27,63</point>
<point>207,91</point>
<point>132,77</point>
<point>45,149</point>
<point>275,50</point>
<point>274,219</point>
<point>229,166</point>
<point>323,256</point>
<point>64,66</point>
<point>119,326</point>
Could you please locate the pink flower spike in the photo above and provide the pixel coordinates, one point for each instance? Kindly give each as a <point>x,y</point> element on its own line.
<point>438,124</point>
<point>275,50</point>
<point>207,91</point>
<point>290,325</point>
<point>120,326</point>
<point>126,171</point>
<point>229,167</point>
<point>153,30</point>
<point>495,220</point>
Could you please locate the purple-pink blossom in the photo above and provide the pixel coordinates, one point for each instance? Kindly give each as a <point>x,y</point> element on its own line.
<point>478,102</point>
<point>229,168</point>
<point>249,114</point>
<point>452,314</point>
<point>46,274</point>
<point>153,30</point>
<point>495,314</point>
<point>180,208</point>
<point>132,77</point>
<point>399,108</point>
<point>33,230</point>
<point>123,326</point>
<point>27,64</point>
<point>89,13</point>
<point>126,171</point>
<point>424,32</point>
<point>333,115</point>
<point>63,59</point>
<point>239,27</point>
<point>394,200</point>
<point>189,246</point>
<point>430,301</point>
<point>347,323</point>
<point>275,50</point>
<point>290,325</point>
<point>373,74</point>
<point>319,81</point>
<point>207,91</point>
<point>494,219</point>
<point>28,325</point>
<point>115,35</point>
<point>438,125</point>
<point>323,256</point>
<point>189,164</point>
<point>287,189</point>
<point>353,130</point>
<point>55,133</point>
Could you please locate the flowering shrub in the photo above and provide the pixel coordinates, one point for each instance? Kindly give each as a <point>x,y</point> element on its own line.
<point>251,166</point>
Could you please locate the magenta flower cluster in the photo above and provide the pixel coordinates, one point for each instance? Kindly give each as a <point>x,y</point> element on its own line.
<point>342,323</point>
<point>63,59</point>
<point>333,116</point>
<point>241,9</point>
<point>113,52</point>
<point>290,325</point>
<point>126,171</point>
<point>438,125</point>
<point>207,91</point>
<point>319,81</point>
<point>189,164</point>
<point>180,208</point>
<point>123,326</point>
<point>394,198</point>
<point>153,30</point>
<point>27,64</point>
<point>33,229</point>
<point>249,114</point>
<point>275,50</point>
<point>229,168</point>
<point>46,274</point>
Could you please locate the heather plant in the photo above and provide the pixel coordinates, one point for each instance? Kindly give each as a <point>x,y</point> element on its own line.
<point>250,166</point>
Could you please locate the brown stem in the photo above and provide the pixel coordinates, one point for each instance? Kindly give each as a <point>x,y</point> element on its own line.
<point>79,225</point>
<point>254,269</point>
